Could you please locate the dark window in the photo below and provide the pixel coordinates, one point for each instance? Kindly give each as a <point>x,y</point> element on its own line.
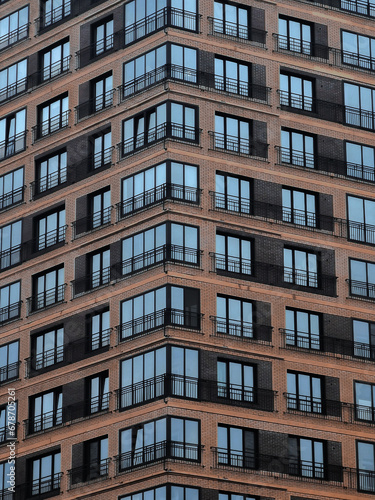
<point>366,466</point>
<point>55,60</point>
<point>100,208</point>
<point>13,80</point>
<point>50,229</point>
<point>233,254</point>
<point>233,193</point>
<point>297,148</point>
<point>99,330</point>
<point>232,76</point>
<point>11,188</point>
<point>306,457</point>
<point>362,278</point>
<point>299,207</point>
<point>98,389</point>
<point>48,348</point>
<point>364,339</point>
<point>235,496</point>
<point>169,119</point>
<point>102,92</point>
<point>6,480</point>
<point>358,50</point>
<point>10,302</point>
<point>53,116</point>
<point>235,381</point>
<point>233,20</point>
<point>295,35</point>
<point>236,447</point>
<point>8,424</point>
<point>14,27</point>
<point>55,10</point>
<point>12,134</point>
<point>48,288</point>
<point>164,492</point>
<point>10,244</point>
<point>296,92</point>
<point>100,269</point>
<point>300,267</point>
<point>168,437</point>
<point>102,149</point>
<point>146,376</point>
<point>96,458</point>
<point>234,316</point>
<point>9,361</point>
<point>364,7</point>
<point>364,401</point>
<point>45,473</point>
<point>302,329</point>
<point>361,219</point>
<point>103,37</point>
<point>45,410</point>
<point>51,171</point>
<point>233,134</point>
<point>304,392</point>
<point>360,161</point>
<point>359,103</point>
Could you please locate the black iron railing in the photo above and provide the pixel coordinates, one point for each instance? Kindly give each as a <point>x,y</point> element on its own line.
<point>14,36</point>
<point>51,126</point>
<point>43,422</point>
<point>242,330</point>
<point>13,145</point>
<point>12,198</point>
<point>10,257</point>
<point>95,105</point>
<point>93,471</point>
<point>325,408</point>
<point>9,371</point>
<point>241,33</point>
<point>43,485</point>
<point>91,281</point>
<point>92,222</point>
<point>357,7</point>
<point>238,146</point>
<point>10,312</point>
<point>361,289</point>
<point>46,298</point>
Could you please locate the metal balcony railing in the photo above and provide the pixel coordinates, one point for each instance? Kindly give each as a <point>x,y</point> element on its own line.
<point>12,145</point>
<point>47,298</point>
<point>10,257</point>
<point>43,485</point>
<point>93,471</point>
<point>43,422</point>
<point>359,7</point>
<point>361,289</point>
<point>242,330</point>
<point>92,281</point>
<point>241,33</point>
<point>237,145</point>
<point>11,198</point>
<point>51,126</point>
<point>14,36</point>
<point>95,105</point>
<point>9,371</point>
<point>10,312</point>
<point>92,222</point>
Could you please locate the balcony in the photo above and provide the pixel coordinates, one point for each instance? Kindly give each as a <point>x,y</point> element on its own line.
<point>164,318</point>
<point>315,407</point>
<point>242,330</point>
<point>361,289</point>
<point>89,473</point>
<point>92,281</point>
<point>356,7</point>
<point>12,198</point>
<point>95,105</point>
<point>156,195</point>
<point>10,257</point>
<point>9,372</point>
<point>14,36</point>
<point>238,146</point>
<point>51,126</point>
<point>238,32</point>
<point>44,243</point>
<point>10,312</point>
<point>91,223</point>
<point>46,299</point>
<point>13,145</point>
<point>43,422</point>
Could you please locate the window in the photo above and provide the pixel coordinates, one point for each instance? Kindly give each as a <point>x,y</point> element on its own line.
<point>166,242</point>
<point>50,229</point>
<point>365,7</point>
<point>366,466</point>
<point>54,10</point>
<point>168,305</point>
<point>296,92</point>
<point>45,411</point>
<point>232,76</point>
<point>12,134</point>
<point>48,348</point>
<point>6,480</point>
<point>13,80</point>
<point>8,423</point>
<point>299,207</point>
<point>156,123</point>
<point>10,302</point>
<point>10,244</point>
<point>364,401</point>
<point>14,27</point>
<point>297,148</point>
<point>168,437</point>
<point>102,92</point>
<point>360,161</point>
<point>144,17</point>
<point>51,171</point>
<point>11,188</point>
<point>100,269</point>
<point>102,149</point>
<point>99,330</point>
<point>235,381</point>
<point>167,491</point>
<point>96,458</point>
<point>306,457</point>
<point>9,361</point>
<point>362,278</point>
<point>233,254</point>
<point>55,60</point>
<point>361,219</point>
<point>48,288</point>
<point>103,37</point>
<point>236,447</point>
<point>235,316</point>
<point>53,116</point>
<point>100,208</point>
<point>359,103</point>
<point>235,496</point>
<point>364,339</point>
<point>358,50</point>
<point>168,180</point>
<point>300,267</point>
<point>167,61</point>
<point>98,388</point>
<point>232,20</point>
<point>302,329</point>
<point>233,134</point>
<point>45,473</point>
<point>232,193</point>
<point>167,371</point>
<point>304,392</point>
<point>295,35</point>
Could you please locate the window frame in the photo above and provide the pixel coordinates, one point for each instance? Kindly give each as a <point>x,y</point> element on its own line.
<point>301,102</point>
<point>310,337</point>
<point>62,65</point>
<point>361,228</point>
<point>45,240</point>
<point>299,45</point>
<point>298,216</point>
<point>365,476</point>
<point>16,196</point>
<point>293,273</point>
<point>55,179</point>
<point>56,122</point>
<point>10,367</point>
<point>10,307</point>
<point>239,266</point>
<point>247,459</point>
<point>370,287</point>
<point>21,32</point>
<point>39,480</point>
<point>58,354</point>
<point>58,290</point>
<point>45,420</point>
<point>304,403</point>
<point>99,403</point>
<point>10,145</point>
<point>318,469</point>
<point>308,158</point>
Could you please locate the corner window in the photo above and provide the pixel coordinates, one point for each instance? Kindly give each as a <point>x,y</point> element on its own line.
<point>297,148</point>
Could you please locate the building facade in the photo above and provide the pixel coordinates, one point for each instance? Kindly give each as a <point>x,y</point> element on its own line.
<point>187,263</point>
